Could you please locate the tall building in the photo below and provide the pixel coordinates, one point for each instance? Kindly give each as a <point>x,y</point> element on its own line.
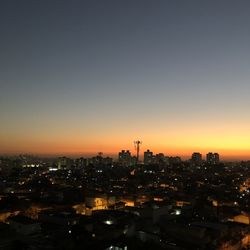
<point>216,158</point>
<point>81,162</point>
<point>64,163</point>
<point>160,158</point>
<point>99,160</point>
<point>196,158</point>
<point>174,160</point>
<point>125,158</point>
<point>213,158</point>
<point>148,157</point>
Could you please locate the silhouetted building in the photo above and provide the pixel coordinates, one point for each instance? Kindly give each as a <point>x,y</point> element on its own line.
<point>148,157</point>
<point>125,158</point>
<point>99,160</point>
<point>160,158</point>
<point>216,158</point>
<point>81,162</point>
<point>213,158</point>
<point>64,162</point>
<point>175,160</point>
<point>196,158</point>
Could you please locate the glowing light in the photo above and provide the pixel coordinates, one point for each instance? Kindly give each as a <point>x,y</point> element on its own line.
<point>177,212</point>
<point>108,222</point>
<point>53,169</point>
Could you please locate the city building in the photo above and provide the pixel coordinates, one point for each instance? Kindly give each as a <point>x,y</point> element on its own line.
<point>160,158</point>
<point>99,160</point>
<point>81,162</point>
<point>64,163</point>
<point>148,157</point>
<point>125,158</point>
<point>196,158</point>
<point>213,158</point>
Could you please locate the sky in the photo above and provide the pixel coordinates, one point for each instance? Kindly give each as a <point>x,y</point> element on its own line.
<point>80,77</point>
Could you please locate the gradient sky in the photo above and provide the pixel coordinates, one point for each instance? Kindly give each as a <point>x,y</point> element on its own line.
<point>80,77</point>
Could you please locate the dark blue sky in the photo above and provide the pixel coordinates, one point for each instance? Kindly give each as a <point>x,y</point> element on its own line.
<point>153,69</point>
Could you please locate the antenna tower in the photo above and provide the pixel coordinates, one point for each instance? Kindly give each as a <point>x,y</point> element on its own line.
<point>137,148</point>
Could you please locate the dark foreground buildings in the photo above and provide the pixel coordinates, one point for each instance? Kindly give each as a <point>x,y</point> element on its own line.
<point>98,203</point>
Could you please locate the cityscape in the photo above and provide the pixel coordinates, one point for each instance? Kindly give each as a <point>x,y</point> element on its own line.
<point>124,125</point>
<point>152,202</point>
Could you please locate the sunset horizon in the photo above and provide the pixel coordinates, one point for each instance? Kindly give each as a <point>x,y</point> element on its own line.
<point>228,155</point>
<point>124,125</point>
<point>178,79</point>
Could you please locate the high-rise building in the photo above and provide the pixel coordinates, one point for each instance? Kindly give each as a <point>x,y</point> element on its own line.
<point>125,158</point>
<point>148,157</point>
<point>81,162</point>
<point>160,158</point>
<point>196,158</point>
<point>99,160</point>
<point>174,160</point>
<point>213,158</point>
<point>216,158</point>
<point>64,163</point>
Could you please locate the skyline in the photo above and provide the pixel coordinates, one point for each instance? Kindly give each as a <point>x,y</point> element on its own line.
<point>88,76</point>
<point>133,152</point>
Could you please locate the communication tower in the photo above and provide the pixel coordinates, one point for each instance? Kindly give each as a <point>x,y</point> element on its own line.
<point>137,148</point>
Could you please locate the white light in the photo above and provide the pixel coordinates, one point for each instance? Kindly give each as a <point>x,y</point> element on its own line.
<point>108,222</point>
<point>53,169</point>
<point>177,212</point>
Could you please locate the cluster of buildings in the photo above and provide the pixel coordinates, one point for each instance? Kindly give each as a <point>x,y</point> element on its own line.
<point>125,158</point>
<point>97,203</point>
<point>211,158</point>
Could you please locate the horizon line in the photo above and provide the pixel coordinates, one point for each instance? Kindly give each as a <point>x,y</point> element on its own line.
<point>115,155</point>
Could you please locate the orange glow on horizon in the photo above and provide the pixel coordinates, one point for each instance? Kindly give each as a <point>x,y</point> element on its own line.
<point>231,141</point>
<point>76,150</point>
